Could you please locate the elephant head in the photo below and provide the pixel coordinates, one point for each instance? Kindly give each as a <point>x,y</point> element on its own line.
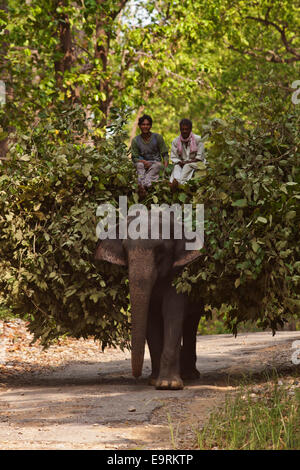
<point>148,260</point>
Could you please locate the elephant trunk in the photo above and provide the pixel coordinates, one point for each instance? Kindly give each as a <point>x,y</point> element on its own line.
<point>142,276</point>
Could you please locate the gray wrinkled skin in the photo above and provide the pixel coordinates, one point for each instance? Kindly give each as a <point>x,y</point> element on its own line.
<point>167,320</point>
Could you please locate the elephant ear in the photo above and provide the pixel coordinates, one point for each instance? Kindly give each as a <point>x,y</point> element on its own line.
<point>184,256</point>
<point>111,251</point>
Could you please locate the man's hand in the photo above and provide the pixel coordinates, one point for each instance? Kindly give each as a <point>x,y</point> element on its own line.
<point>186,161</point>
<point>146,164</point>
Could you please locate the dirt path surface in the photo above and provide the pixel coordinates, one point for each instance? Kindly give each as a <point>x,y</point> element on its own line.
<point>72,396</point>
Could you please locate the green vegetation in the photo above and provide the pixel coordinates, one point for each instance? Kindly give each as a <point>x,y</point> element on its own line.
<point>5,313</point>
<point>250,197</point>
<point>49,192</point>
<point>194,58</point>
<point>78,75</point>
<point>267,419</point>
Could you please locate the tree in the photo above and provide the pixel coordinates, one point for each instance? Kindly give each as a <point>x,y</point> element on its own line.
<point>49,193</point>
<point>200,59</point>
<point>5,128</point>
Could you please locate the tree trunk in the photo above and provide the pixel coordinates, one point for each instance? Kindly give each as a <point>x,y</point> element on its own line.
<point>135,124</point>
<point>104,31</point>
<point>142,107</point>
<point>7,88</point>
<point>65,47</point>
<point>101,53</point>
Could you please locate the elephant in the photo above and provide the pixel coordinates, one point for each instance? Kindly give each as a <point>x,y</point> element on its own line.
<point>166,319</point>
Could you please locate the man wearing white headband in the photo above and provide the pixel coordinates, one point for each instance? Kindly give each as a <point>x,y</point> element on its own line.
<point>187,150</point>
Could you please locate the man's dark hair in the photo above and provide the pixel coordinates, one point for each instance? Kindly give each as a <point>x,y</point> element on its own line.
<point>143,118</point>
<point>186,122</point>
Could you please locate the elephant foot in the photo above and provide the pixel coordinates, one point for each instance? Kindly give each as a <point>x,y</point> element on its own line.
<point>192,374</point>
<point>169,384</point>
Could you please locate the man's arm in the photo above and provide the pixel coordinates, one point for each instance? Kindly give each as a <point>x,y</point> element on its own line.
<point>174,155</point>
<point>163,149</point>
<point>135,153</point>
<point>199,155</point>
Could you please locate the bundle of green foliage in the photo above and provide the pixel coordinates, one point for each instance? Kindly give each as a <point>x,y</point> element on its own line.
<point>49,191</point>
<point>251,195</point>
<point>54,181</point>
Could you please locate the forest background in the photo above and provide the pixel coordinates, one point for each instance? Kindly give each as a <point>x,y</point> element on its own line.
<point>77,75</point>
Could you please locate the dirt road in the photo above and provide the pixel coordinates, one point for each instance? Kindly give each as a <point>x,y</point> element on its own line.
<point>74,397</point>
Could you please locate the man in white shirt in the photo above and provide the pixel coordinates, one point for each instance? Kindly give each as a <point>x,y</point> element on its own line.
<point>187,150</point>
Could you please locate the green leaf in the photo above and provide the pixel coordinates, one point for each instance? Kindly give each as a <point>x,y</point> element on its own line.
<point>255,246</point>
<point>291,215</point>
<point>240,203</point>
<point>25,158</point>
<point>182,197</point>
<point>262,220</point>
<point>121,178</point>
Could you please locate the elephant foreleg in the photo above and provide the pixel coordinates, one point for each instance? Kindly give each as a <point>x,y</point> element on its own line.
<point>155,339</point>
<point>173,315</point>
